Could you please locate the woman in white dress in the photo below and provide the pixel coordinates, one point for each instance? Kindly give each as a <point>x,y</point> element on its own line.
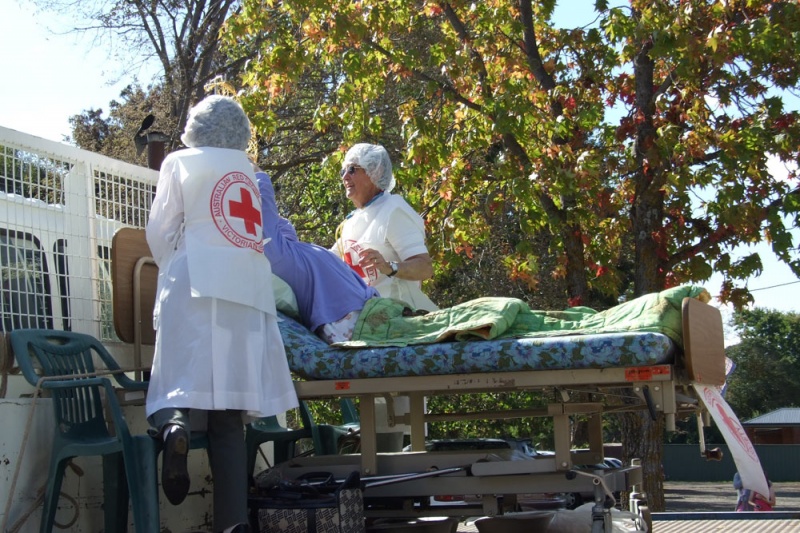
<point>218,348</point>
<point>383,239</point>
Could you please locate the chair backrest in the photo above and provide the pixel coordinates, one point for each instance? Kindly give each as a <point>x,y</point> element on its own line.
<point>68,358</point>
<point>349,412</point>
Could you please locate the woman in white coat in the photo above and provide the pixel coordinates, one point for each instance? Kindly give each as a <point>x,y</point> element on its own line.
<point>218,348</point>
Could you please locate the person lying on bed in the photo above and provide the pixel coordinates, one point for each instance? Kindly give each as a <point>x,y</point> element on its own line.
<point>330,294</point>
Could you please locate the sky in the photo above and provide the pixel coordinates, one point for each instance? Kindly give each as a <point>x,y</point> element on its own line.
<point>47,78</point>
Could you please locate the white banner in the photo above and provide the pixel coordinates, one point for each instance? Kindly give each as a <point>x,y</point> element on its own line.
<point>744,455</point>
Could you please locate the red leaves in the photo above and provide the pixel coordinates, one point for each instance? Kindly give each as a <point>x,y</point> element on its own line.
<point>575,301</point>
<point>433,10</point>
<point>466,249</point>
<point>626,129</point>
<point>784,121</point>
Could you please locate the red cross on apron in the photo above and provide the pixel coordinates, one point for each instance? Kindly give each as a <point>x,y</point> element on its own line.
<point>244,209</point>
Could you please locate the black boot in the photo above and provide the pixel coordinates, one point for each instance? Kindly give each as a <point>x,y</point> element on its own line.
<point>174,472</point>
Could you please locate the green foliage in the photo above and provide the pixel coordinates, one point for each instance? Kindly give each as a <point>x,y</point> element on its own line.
<point>496,118</point>
<point>183,37</point>
<point>539,430</point>
<point>577,165</point>
<point>767,374</point>
<point>113,135</point>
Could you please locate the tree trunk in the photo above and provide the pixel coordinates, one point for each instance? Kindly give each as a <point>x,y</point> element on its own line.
<point>577,285</point>
<point>643,438</point>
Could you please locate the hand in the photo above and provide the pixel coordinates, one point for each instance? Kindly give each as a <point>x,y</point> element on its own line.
<point>373,258</point>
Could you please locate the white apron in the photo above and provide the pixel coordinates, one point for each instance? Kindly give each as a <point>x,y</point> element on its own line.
<point>392,227</point>
<point>217,345</point>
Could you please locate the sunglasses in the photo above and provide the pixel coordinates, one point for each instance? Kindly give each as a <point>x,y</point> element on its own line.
<point>350,169</point>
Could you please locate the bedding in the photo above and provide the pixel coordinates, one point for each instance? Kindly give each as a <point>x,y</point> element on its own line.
<point>496,335</point>
<point>388,322</point>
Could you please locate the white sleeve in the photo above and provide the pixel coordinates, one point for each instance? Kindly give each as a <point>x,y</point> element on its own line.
<point>405,233</point>
<point>166,214</point>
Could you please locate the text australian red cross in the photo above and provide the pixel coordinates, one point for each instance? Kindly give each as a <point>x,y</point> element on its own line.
<point>246,212</point>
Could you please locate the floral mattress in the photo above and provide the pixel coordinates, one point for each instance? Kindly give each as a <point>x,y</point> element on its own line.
<point>311,358</point>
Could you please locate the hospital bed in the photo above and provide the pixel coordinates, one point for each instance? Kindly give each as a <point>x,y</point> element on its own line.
<point>582,374</point>
<point>649,369</point>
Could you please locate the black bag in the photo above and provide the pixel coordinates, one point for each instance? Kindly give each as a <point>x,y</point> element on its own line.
<point>313,503</point>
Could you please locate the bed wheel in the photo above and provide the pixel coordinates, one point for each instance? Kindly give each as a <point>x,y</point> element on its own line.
<point>574,500</point>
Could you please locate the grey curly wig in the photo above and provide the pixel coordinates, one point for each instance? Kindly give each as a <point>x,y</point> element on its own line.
<point>219,122</point>
<point>374,159</point>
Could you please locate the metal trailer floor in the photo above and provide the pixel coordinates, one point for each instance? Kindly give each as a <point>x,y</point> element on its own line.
<point>727,526</point>
<point>697,522</point>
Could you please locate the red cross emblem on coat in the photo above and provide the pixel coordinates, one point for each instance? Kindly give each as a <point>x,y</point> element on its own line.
<point>251,216</point>
<point>236,208</point>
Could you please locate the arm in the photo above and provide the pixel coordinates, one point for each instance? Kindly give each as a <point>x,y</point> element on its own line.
<point>416,268</point>
<point>166,214</point>
<point>754,496</point>
<point>274,224</point>
<point>405,234</point>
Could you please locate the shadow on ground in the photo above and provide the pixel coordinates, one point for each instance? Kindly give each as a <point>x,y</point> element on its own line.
<point>716,497</point>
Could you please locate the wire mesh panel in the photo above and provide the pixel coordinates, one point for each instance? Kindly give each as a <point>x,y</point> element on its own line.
<point>118,202</point>
<point>59,209</point>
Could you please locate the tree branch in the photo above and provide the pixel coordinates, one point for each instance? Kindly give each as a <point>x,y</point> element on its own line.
<point>463,34</point>
<point>444,86</point>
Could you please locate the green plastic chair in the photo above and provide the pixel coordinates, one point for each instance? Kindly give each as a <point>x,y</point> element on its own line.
<point>81,428</point>
<point>328,436</point>
<point>284,439</point>
<point>349,412</point>
<point>325,437</point>
<point>117,508</point>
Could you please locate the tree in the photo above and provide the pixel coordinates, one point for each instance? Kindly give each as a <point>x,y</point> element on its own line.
<point>767,373</point>
<point>635,147</point>
<point>114,135</point>
<point>183,37</point>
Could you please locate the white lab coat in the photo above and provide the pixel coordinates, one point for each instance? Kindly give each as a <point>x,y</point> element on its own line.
<point>217,340</point>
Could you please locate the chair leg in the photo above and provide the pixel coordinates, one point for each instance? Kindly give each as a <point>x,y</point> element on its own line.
<point>52,492</point>
<point>142,474</point>
<point>115,493</point>
<point>282,450</point>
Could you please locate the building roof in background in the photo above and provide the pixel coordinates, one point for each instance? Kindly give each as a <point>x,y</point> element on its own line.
<point>787,416</point>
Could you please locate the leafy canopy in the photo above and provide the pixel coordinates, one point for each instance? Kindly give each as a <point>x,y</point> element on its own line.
<point>639,143</point>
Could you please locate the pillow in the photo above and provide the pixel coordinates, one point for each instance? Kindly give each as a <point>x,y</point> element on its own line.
<point>285,300</point>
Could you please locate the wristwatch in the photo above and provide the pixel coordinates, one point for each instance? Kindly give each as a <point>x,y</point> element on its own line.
<point>394,267</point>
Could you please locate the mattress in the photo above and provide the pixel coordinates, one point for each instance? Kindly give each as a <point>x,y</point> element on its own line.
<point>311,358</point>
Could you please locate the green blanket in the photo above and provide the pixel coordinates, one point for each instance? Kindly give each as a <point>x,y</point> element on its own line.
<point>385,321</point>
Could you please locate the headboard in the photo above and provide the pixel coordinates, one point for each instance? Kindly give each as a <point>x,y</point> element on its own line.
<point>703,342</point>
<point>134,276</point>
